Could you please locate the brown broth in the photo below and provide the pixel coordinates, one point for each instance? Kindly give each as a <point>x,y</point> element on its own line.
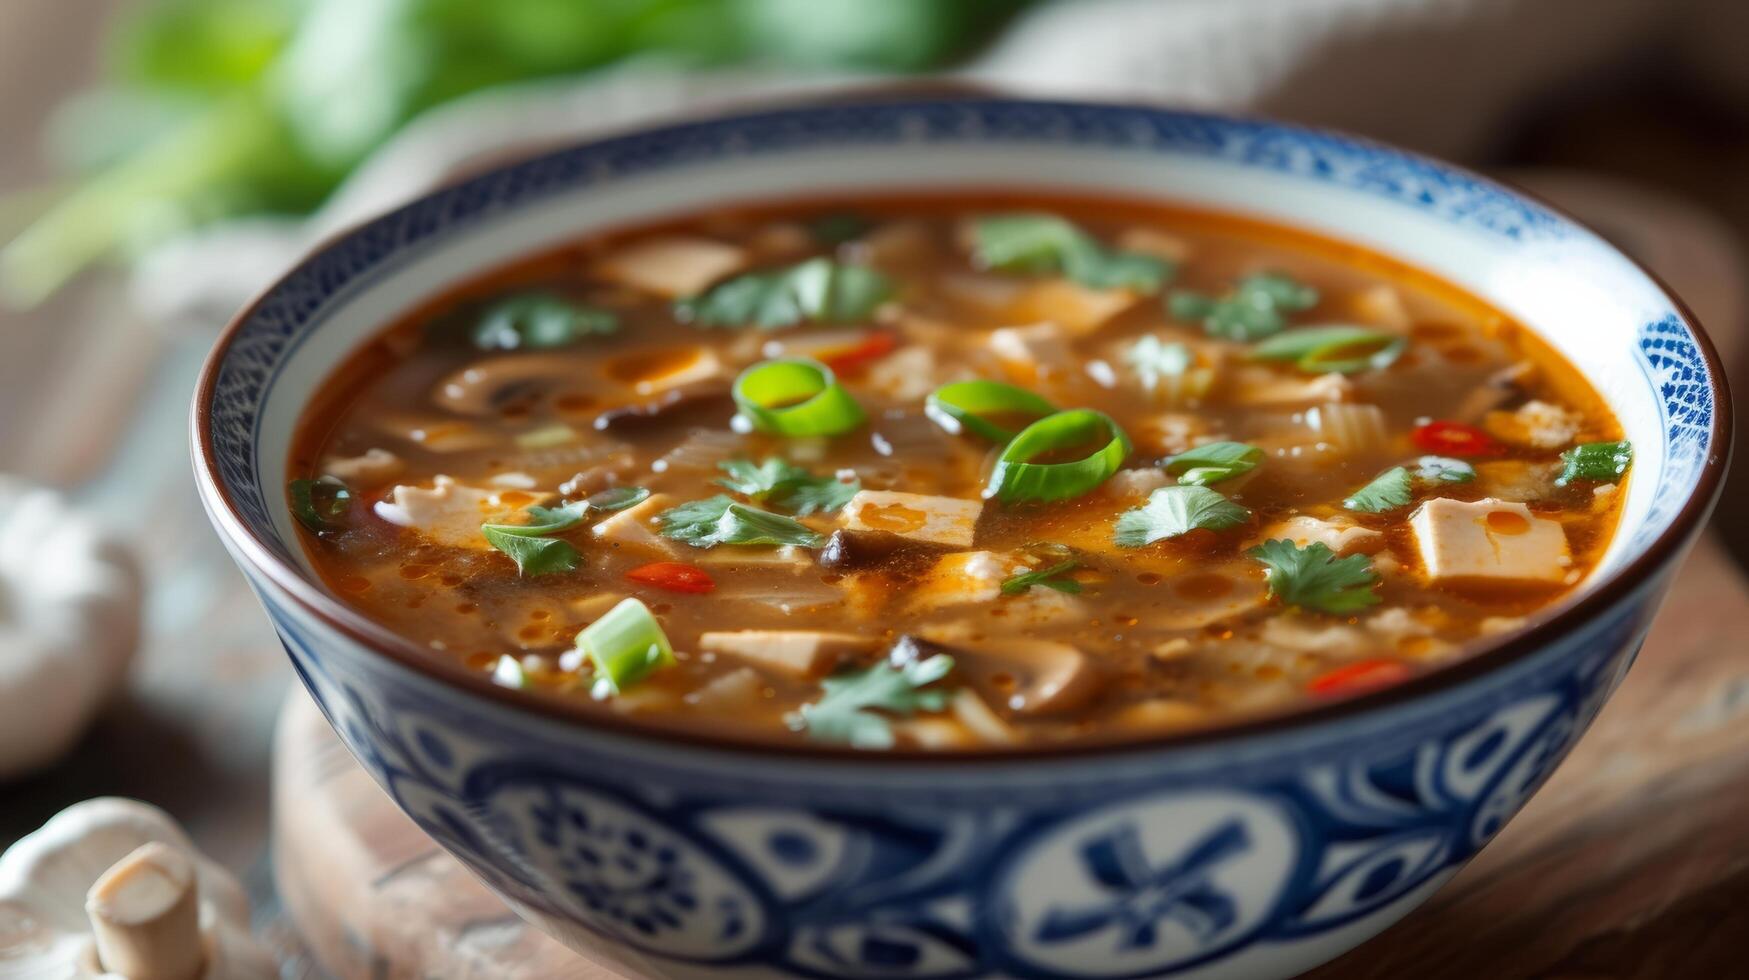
<point>1176,634</point>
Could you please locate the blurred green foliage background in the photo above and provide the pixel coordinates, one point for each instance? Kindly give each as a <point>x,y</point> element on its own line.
<point>217,108</point>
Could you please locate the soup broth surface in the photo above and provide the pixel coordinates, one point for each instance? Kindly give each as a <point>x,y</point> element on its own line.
<point>1307,471</point>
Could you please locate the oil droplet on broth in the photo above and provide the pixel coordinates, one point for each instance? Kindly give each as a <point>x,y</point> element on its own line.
<point>1507,522</point>
<point>897,518</point>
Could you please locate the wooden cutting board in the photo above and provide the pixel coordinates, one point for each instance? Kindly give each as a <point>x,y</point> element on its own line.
<point>1633,862</point>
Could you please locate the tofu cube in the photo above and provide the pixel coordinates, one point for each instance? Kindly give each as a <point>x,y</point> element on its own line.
<point>964,577</point>
<point>795,653</point>
<point>450,513</point>
<point>634,527</point>
<point>1338,535</point>
<point>1489,541</point>
<point>946,521</point>
<point>672,265</point>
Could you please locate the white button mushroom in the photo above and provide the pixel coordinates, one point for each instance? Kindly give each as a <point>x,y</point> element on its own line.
<point>69,622</point>
<point>114,888</point>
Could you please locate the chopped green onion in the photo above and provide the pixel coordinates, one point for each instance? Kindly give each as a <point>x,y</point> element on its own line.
<point>1336,348</point>
<point>724,520</point>
<point>1015,478</point>
<point>539,321</point>
<point>1444,469</point>
<point>963,405</point>
<point>546,437</point>
<point>796,397</point>
<point>1214,462</point>
<point>319,504</point>
<point>1053,577</point>
<point>1387,491</point>
<point>626,645</point>
<point>1173,511</point>
<point>1604,462</point>
<point>1256,308</point>
<point>533,555</point>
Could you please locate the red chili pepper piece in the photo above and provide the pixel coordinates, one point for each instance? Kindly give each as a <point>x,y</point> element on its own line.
<point>1454,439</point>
<point>849,360</point>
<point>1359,676</point>
<point>673,576</point>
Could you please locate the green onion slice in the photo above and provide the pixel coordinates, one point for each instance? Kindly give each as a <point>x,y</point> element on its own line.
<point>1214,462</point>
<point>1340,348</point>
<point>1016,478</point>
<point>626,646</point>
<point>796,397</point>
<point>963,406</point>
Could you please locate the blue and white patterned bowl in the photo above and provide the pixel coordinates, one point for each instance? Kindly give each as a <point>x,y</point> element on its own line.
<point>1256,851</point>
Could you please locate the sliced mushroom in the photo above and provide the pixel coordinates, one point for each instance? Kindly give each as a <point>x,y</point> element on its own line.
<point>1033,677</point>
<point>706,402</point>
<point>486,387</point>
<point>846,550</point>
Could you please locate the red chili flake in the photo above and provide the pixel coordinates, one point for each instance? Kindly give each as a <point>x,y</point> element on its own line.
<point>849,360</point>
<point>1362,675</point>
<point>673,576</point>
<point>1454,439</point>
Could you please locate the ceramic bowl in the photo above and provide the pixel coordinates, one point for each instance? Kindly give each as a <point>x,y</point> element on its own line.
<point>1258,850</point>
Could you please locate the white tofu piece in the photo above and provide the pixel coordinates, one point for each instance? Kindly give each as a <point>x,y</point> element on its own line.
<point>1538,424</point>
<point>1340,536</point>
<point>796,653</point>
<point>1134,485</point>
<point>784,556</point>
<point>1151,241</point>
<point>1489,541</point>
<point>450,513</point>
<point>672,265</point>
<point>935,520</point>
<point>374,468</point>
<point>634,527</point>
<point>1076,309</point>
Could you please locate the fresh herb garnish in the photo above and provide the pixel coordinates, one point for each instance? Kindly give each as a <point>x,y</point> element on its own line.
<point>1443,469</point>
<point>1387,491</point>
<point>1054,577</point>
<point>1172,511</point>
<point>818,290</point>
<point>1314,578</point>
<point>543,521</point>
<point>319,504</point>
<point>1154,359</point>
<point>1044,243</point>
<point>856,708</point>
<point>724,520</point>
<point>616,498</point>
<point>539,321</point>
<point>1214,462</point>
<point>625,646</point>
<point>787,486</point>
<point>1604,462</point>
<point>1256,308</point>
<point>1338,348</point>
<point>533,555</point>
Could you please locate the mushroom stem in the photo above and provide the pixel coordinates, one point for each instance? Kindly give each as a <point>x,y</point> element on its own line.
<point>145,916</point>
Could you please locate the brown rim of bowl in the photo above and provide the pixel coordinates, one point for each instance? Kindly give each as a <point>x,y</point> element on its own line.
<point>380,640</point>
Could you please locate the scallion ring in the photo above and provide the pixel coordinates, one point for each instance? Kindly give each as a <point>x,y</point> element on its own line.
<point>1338,348</point>
<point>625,645</point>
<point>964,406</point>
<point>796,397</point>
<point>1016,478</point>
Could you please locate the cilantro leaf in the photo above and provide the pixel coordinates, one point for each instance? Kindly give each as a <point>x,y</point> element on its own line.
<point>539,321</point>
<point>1387,491</point>
<point>787,486</point>
<point>616,498</point>
<point>847,711</point>
<point>723,520</point>
<point>1314,578</point>
<point>1604,462</point>
<point>1045,243</point>
<point>533,555</point>
<point>1443,469</point>
<point>1172,511</point>
<point>1214,462</point>
<point>1053,577</point>
<point>1154,359</point>
<point>818,290</point>
<point>543,521</point>
<point>1256,307</point>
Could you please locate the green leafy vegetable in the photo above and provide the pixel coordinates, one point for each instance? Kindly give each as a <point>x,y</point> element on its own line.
<point>1387,491</point>
<point>539,321</point>
<point>1339,348</point>
<point>1172,511</point>
<point>784,485</point>
<point>319,504</point>
<point>533,555</point>
<point>543,521</point>
<point>856,708</point>
<point>1314,578</point>
<point>616,498</point>
<point>1604,462</point>
<point>1214,462</point>
<point>1256,308</point>
<point>1154,359</point>
<point>818,290</point>
<point>1443,469</point>
<point>724,520</point>
<point>1053,577</point>
<point>1045,243</point>
<point>625,646</point>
